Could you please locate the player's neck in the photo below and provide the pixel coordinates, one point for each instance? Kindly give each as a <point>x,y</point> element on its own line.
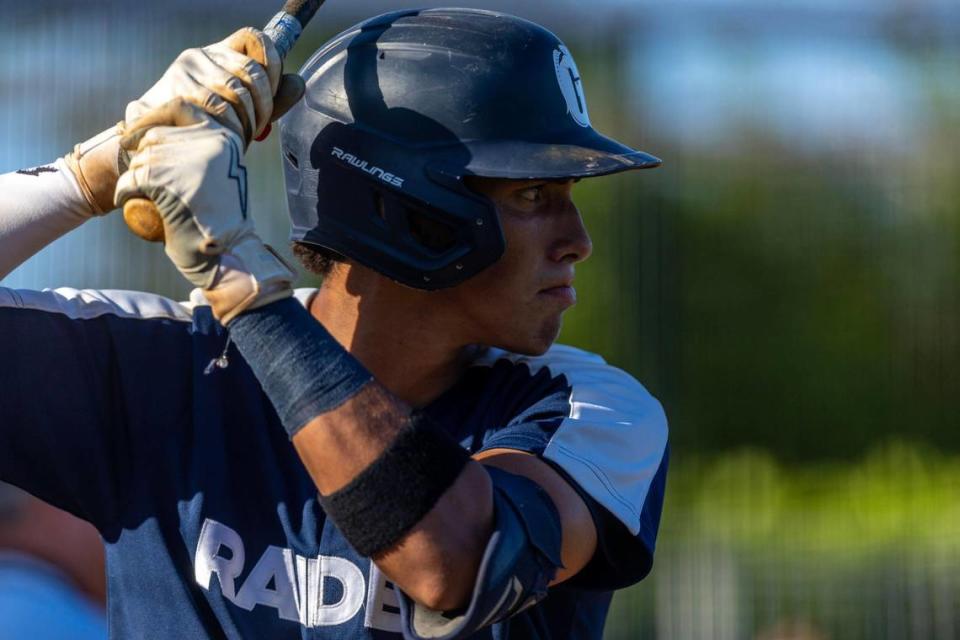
<point>409,345</point>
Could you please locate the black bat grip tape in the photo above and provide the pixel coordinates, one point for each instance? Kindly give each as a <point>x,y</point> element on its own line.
<point>302,10</point>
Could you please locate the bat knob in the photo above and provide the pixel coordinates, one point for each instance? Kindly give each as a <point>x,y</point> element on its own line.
<point>143,219</point>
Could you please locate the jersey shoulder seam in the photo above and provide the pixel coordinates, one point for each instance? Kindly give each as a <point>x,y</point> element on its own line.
<point>87,304</point>
<point>557,352</point>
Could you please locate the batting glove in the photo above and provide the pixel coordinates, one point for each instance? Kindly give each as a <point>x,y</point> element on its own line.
<point>96,164</point>
<point>238,81</point>
<point>190,166</point>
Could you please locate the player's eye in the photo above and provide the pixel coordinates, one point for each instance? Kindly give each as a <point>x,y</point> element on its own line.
<point>531,194</point>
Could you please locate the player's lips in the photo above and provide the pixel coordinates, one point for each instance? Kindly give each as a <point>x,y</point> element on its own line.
<point>563,293</point>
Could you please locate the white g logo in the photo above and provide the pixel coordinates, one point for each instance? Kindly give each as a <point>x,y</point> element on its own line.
<point>570,85</point>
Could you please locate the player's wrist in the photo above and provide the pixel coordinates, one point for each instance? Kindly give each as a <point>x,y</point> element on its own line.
<point>302,368</point>
<point>250,275</point>
<point>96,165</point>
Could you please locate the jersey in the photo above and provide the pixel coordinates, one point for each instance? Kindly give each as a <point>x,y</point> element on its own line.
<point>111,408</point>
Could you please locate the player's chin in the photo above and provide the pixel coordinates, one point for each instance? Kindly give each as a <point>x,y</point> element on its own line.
<point>537,340</point>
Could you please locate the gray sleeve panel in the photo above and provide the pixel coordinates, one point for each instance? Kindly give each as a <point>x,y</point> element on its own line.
<point>85,304</point>
<point>614,438</point>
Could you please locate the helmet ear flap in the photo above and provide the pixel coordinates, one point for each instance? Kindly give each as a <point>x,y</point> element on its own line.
<point>427,234</point>
<point>413,224</point>
<point>431,232</point>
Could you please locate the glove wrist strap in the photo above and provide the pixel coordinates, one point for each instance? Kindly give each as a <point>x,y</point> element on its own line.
<point>96,165</point>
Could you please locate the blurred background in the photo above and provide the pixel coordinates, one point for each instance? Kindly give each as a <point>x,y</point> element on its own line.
<point>787,284</point>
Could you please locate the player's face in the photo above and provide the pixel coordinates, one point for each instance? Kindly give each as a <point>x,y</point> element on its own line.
<point>517,303</point>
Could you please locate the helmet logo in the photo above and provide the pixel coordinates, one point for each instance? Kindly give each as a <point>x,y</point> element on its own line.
<point>570,85</point>
<point>365,166</point>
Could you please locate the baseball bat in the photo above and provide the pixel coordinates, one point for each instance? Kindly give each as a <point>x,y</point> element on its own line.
<point>284,29</point>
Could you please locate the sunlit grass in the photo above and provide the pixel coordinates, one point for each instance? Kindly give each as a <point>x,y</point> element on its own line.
<point>858,549</point>
<point>899,493</point>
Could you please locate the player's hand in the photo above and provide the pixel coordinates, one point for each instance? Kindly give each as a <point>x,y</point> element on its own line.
<point>190,166</point>
<point>238,81</point>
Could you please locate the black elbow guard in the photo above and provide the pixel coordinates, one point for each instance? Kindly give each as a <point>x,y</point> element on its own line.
<point>520,561</point>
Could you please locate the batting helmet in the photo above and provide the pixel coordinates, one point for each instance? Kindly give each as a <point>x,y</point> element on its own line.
<point>399,108</point>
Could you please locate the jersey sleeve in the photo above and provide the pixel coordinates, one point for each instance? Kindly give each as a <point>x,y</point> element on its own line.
<point>37,206</point>
<point>601,430</point>
<point>82,374</point>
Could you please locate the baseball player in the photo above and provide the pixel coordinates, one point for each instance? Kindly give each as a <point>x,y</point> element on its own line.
<point>453,472</point>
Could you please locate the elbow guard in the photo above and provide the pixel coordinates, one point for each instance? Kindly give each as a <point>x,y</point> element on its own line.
<point>520,561</point>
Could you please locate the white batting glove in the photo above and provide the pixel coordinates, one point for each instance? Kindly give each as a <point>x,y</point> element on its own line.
<point>237,80</point>
<point>190,166</point>
<point>96,164</point>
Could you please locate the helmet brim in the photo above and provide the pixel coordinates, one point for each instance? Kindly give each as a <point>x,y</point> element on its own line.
<point>584,157</point>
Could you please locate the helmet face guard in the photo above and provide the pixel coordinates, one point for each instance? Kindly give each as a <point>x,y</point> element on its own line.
<point>401,215</point>
<point>400,108</point>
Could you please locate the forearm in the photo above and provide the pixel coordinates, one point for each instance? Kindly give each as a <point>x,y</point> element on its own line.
<point>342,423</point>
<point>437,560</point>
<point>37,206</point>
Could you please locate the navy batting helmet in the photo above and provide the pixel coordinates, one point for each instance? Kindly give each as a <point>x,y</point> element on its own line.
<point>401,107</point>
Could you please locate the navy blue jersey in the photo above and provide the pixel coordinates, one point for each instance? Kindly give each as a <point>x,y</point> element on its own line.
<point>109,409</point>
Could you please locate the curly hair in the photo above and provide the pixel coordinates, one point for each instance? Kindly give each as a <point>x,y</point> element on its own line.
<point>316,259</point>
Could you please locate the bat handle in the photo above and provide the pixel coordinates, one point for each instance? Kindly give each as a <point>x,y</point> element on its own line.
<point>285,27</point>
<point>143,219</point>
<point>141,214</point>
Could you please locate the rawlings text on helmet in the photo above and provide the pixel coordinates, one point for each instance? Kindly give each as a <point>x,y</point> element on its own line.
<point>363,165</point>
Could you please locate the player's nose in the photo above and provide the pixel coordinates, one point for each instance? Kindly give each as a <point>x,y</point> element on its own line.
<point>572,242</point>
